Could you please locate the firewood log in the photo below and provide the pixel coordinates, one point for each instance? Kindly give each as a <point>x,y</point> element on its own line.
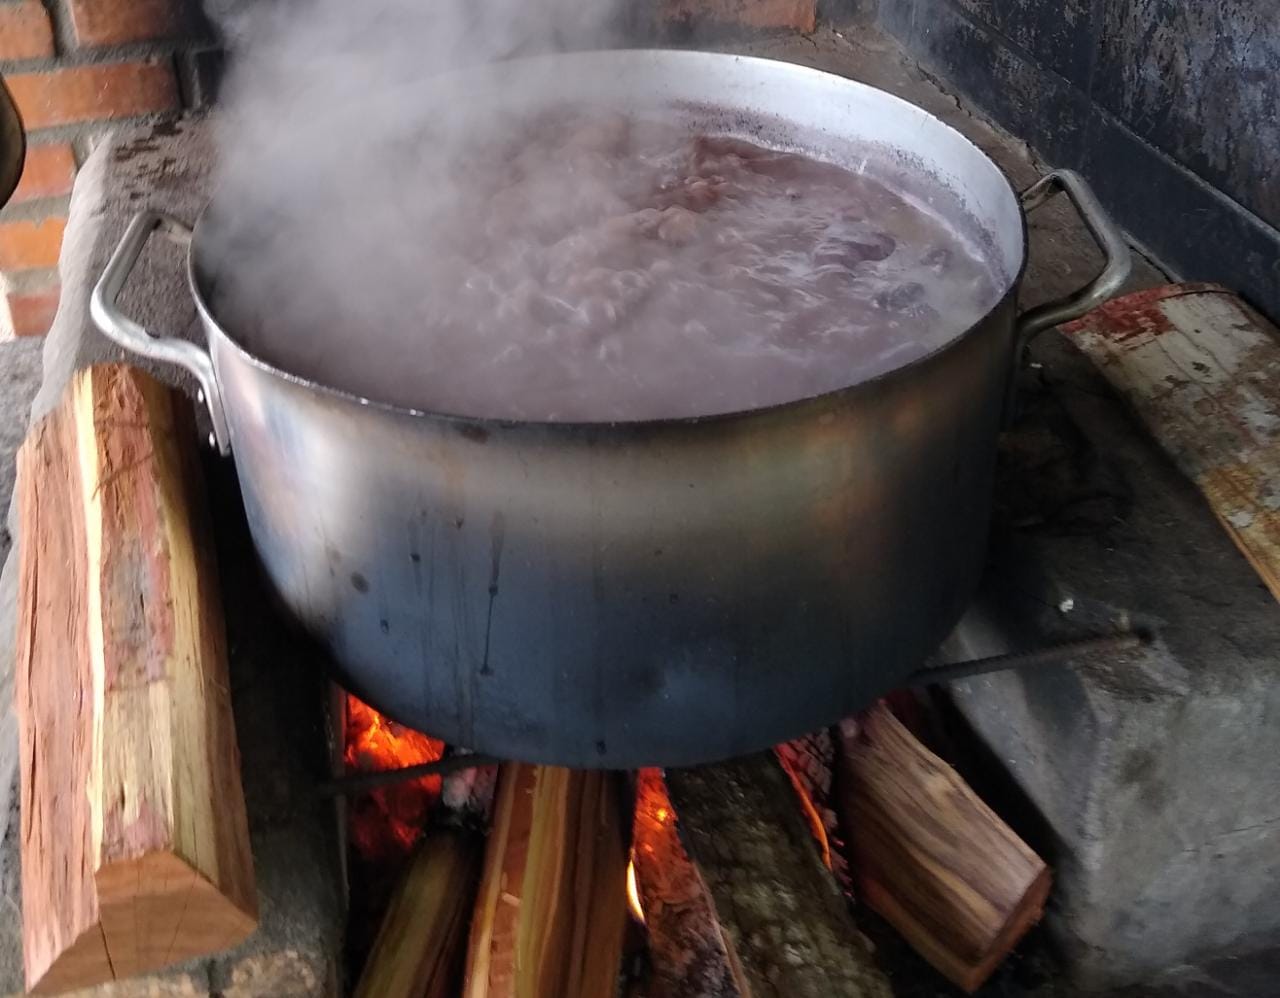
<point>929,856</point>
<point>788,928</point>
<point>419,948</point>
<point>135,843</point>
<point>687,951</point>
<point>552,910</point>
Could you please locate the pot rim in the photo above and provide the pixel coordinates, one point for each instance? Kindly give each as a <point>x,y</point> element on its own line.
<point>874,382</point>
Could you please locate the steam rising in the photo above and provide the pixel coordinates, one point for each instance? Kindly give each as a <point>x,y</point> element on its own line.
<point>332,168</point>
<point>389,230</point>
<point>323,93</point>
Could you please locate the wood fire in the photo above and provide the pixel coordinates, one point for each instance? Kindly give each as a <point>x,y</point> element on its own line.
<point>387,821</point>
<point>721,871</point>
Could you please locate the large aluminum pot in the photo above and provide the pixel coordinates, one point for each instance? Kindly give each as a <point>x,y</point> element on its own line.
<point>647,593</point>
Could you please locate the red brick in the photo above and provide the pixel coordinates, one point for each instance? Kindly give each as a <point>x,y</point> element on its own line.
<point>796,15</point>
<point>25,31</point>
<point>93,93</point>
<point>27,245</point>
<point>112,22</point>
<point>48,172</point>
<point>31,312</point>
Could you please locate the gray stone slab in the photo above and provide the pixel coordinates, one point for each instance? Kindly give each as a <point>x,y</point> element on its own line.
<point>278,688</point>
<point>1153,776</point>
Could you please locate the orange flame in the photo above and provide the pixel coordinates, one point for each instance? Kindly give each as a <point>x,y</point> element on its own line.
<point>387,821</point>
<point>633,893</point>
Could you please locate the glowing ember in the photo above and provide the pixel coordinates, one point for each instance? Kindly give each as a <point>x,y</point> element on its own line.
<point>387,821</point>
<point>810,810</point>
<point>810,762</point>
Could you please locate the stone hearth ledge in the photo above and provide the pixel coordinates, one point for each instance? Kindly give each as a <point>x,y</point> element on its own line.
<point>278,689</point>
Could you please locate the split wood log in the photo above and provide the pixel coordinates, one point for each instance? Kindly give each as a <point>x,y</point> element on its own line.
<point>930,857</point>
<point>787,927</point>
<point>135,843</point>
<point>688,956</point>
<point>551,916</point>
<point>419,948</point>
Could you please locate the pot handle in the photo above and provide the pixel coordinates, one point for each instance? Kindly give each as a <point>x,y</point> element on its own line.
<point>1105,234</point>
<point>129,334</point>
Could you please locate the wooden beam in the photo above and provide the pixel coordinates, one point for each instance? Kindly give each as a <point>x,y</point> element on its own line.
<point>930,857</point>
<point>551,915</point>
<point>788,927</point>
<point>135,839</point>
<point>419,948</point>
<point>1202,371</point>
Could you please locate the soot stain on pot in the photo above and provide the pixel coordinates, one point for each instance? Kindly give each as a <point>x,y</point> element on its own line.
<point>497,537</point>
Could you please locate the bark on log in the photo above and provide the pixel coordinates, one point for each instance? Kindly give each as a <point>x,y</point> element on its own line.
<point>552,910</point>
<point>135,848</point>
<point>930,857</point>
<point>419,948</point>
<point>687,952</point>
<point>788,927</point>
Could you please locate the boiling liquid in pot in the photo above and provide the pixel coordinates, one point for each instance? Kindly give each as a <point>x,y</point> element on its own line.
<point>599,266</point>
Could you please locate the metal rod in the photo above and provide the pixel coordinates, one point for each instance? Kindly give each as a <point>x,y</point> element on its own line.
<point>1058,654</point>
<point>359,783</point>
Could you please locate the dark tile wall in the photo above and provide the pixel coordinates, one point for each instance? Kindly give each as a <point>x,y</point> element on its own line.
<point>1202,82</point>
<point>1171,108</point>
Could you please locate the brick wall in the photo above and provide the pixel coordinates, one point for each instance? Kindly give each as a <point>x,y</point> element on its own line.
<point>680,19</point>
<point>77,68</point>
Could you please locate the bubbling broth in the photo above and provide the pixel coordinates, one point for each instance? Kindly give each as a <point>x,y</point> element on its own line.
<point>597,266</point>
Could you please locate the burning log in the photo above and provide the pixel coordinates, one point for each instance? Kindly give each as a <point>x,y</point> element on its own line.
<point>386,820</point>
<point>135,843</point>
<point>419,948</point>
<point>787,927</point>
<point>552,912</point>
<point>810,762</point>
<point>686,947</point>
<point>929,856</point>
